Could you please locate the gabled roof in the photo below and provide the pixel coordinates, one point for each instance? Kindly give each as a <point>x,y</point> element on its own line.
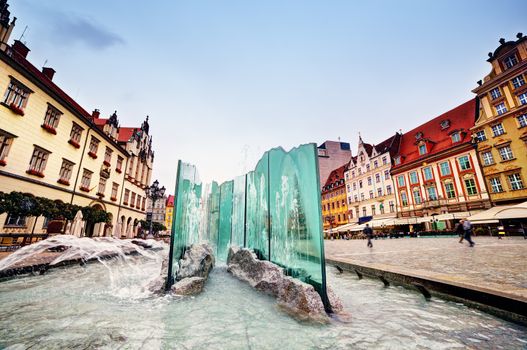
<point>336,174</point>
<point>389,145</point>
<point>438,138</point>
<point>125,133</point>
<point>170,201</point>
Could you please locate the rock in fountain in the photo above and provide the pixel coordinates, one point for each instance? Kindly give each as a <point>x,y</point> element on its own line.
<point>293,296</point>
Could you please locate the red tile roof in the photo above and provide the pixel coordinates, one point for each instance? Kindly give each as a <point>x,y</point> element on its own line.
<point>170,201</point>
<point>125,134</point>
<point>461,118</point>
<point>336,175</point>
<point>100,121</point>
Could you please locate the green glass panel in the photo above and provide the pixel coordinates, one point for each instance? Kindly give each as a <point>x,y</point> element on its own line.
<point>213,215</point>
<point>225,223</point>
<point>258,208</point>
<point>238,211</point>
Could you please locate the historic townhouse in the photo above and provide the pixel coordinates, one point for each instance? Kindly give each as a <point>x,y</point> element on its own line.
<point>169,212</point>
<point>369,186</point>
<point>501,126</point>
<point>436,171</point>
<point>52,147</point>
<point>334,206</point>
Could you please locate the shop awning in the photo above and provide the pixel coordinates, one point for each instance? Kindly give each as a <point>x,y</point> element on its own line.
<point>487,216</point>
<point>518,211</point>
<point>345,227</point>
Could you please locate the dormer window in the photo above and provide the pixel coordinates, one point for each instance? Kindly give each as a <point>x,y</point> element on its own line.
<point>518,81</point>
<point>397,160</point>
<point>422,149</point>
<point>445,124</point>
<point>510,61</point>
<point>495,93</point>
<point>419,135</point>
<point>456,137</point>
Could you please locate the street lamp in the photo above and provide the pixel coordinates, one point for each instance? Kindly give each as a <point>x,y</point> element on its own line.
<point>154,193</point>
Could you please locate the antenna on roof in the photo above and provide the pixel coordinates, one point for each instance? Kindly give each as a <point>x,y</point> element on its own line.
<point>45,61</point>
<point>24,32</point>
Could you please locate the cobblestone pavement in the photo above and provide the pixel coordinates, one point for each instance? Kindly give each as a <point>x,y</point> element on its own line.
<point>497,265</point>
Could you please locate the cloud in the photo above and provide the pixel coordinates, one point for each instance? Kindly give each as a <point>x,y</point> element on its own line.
<point>71,29</point>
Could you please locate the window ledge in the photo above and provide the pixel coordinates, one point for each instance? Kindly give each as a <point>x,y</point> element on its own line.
<point>487,165</point>
<point>118,171</point>
<point>518,189</point>
<point>49,129</point>
<point>508,160</point>
<point>63,182</point>
<point>93,155</point>
<point>84,189</point>
<point>35,173</point>
<point>74,143</point>
<point>106,163</point>
<point>3,162</point>
<point>113,199</point>
<point>99,194</point>
<point>14,109</point>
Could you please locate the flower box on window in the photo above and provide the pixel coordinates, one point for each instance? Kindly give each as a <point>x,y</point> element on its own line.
<point>3,162</point>
<point>35,172</point>
<point>107,163</point>
<point>16,109</point>
<point>85,189</point>
<point>63,182</point>
<point>113,198</point>
<point>125,203</point>
<point>99,194</point>
<point>118,171</point>
<point>93,155</point>
<point>49,129</point>
<point>74,143</point>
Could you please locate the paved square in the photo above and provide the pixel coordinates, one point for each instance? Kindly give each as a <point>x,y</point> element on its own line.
<point>497,265</point>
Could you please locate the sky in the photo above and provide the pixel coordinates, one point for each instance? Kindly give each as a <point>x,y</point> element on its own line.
<point>225,80</point>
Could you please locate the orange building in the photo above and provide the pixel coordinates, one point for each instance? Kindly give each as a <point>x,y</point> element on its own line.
<point>334,204</point>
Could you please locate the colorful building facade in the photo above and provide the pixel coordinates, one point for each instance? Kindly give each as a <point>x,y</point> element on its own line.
<point>334,202</point>
<point>169,212</point>
<point>52,147</point>
<point>369,186</point>
<point>436,172</point>
<point>501,125</point>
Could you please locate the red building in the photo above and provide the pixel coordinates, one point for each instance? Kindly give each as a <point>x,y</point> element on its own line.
<point>436,172</point>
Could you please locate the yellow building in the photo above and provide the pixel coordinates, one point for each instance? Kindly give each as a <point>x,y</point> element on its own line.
<point>52,147</point>
<point>169,212</point>
<point>334,205</point>
<point>501,126</point>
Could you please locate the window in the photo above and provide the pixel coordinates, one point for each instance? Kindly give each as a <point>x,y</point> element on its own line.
<point>332,204</point>
<point>364,213</point>
<point>495,185</point>
<point>495,93</point>
<point>522,120</point>
<point>94,145</point>
<point>500,108</point>
<point>506,153</point>
<point>373,210</point>
<point>338,204</point>
<point>16,96</point>
<point>379,192</point>
<point>367,167</point>
<point>515,181</point>
<point>362,196</point>
<point>422,149</point>
<point>15,220</point>
<point>417,196</point>
<point>360,183</point>
<point>432,193</point>
<point>445,124</point>
<point>102,187</point>
<point>349,200</point>
<point>523,98</point>
<point>132,200</point>
<point>397,160</point>
<point>371,194</point>
<point>127,196</point>
<point>119,165</point>
<point>518,81</point>
<point>404,199</point>
<point>388,189</point>
<point>75,135</point>
<point>392,207</point>
<point>413,178</point>
<point>338,217</point>
<point>456,137</point>
<point>6,139</point>
<point>108,156</point>
<point>353,174</point>
<point>428,173</point>
<point>449,190</point>
<point>487,157</point>
<point>384,161</point>
<point>354,186</point>
<point>444,168</point>
<point>400,180</point>
<point>369,180</point>
<point>347,175</point>
<point>497,130</point>
<point>510,61</point>
<point>377,178</point>
<point>381,208</point>
<point>355,198</point>
<point>480,136</point>
<point>65,171</point>
<point>85,180</point>
<point>375,164</point>
<point>348,187</point>
<point>387,174</point>
<point>464,163</point>
<point>51,120</point>
<point>138,204</point>
<point>37,165</point>
<point>470,185</point>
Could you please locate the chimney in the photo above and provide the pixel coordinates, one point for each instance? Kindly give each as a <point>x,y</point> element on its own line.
<point>95,114</point>
<point>48,72</point>
<point>20,48</point>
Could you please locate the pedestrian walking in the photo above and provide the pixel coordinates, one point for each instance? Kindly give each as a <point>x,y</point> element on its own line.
<point>467,226</point>
<point>460,231</point>
<point>369,233</point>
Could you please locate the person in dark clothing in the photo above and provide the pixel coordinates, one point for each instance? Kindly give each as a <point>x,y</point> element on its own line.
<point>368,232</point>
<point>460,231</point>
<point>467,226</point>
